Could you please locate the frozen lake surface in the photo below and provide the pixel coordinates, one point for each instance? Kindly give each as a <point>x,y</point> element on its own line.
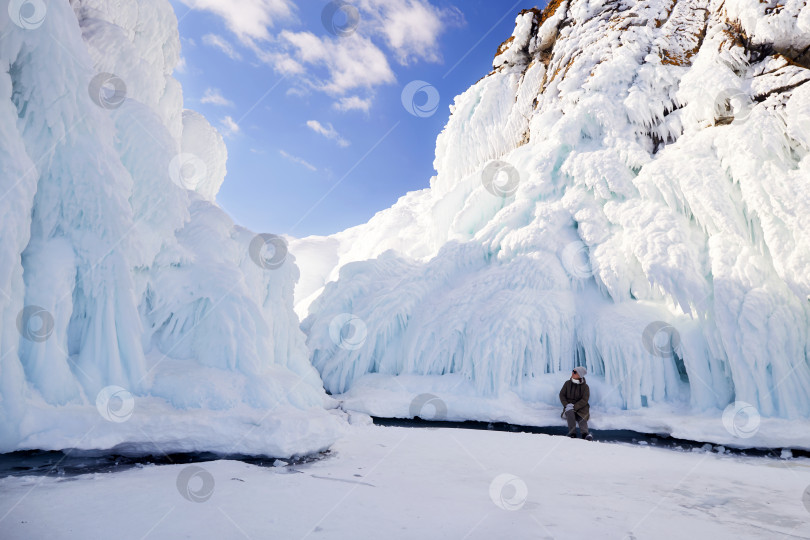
<point>396,482</point>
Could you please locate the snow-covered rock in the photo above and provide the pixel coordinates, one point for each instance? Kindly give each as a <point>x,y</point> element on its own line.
<point>134,312</point>
<point>628,189</point>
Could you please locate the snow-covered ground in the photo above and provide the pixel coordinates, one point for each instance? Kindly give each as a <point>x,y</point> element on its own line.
<point>385,482</point>
<point>451,397</point>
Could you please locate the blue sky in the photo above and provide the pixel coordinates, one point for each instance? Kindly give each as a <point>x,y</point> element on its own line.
<point>318,137</point>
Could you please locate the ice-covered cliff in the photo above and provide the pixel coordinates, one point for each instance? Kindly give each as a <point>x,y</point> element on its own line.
<point>628,189</point>
<point>133,311</point>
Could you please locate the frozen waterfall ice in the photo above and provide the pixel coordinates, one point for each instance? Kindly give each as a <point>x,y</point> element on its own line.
<point>127,293</point>
<point>628,189</point>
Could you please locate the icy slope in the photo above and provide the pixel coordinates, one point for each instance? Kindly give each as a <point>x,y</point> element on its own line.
<point>133,310</point>
<point>629,189</point>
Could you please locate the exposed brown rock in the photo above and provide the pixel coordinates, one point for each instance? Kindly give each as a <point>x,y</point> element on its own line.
<point>540,16</point>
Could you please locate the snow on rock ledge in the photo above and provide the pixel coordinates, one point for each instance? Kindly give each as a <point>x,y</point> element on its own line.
<point>658,232</point>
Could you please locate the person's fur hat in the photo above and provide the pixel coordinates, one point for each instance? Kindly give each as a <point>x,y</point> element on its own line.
<point>581,371</point>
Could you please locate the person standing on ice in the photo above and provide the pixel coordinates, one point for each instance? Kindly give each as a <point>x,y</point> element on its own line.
<point>574,397</point>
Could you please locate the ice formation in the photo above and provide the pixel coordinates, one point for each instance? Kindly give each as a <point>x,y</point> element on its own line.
<point>127,293</point>
<point>628,189</point>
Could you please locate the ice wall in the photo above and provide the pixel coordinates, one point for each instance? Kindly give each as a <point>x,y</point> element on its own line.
<point>127,293</point>
<point>629,190</point>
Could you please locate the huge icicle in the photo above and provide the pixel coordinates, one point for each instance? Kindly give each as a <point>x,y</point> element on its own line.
<point>123,284</point>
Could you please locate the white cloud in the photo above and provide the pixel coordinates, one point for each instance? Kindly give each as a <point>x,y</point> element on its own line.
<point>327,131</point>
<point>248,19</point>
<point>405,30</point>
<point>214,97</point>
<point>297,91</point>
<point>281,61</point>
<point>353,103</point>
<point>298,160</point>
<point>351,62</point>
<point>411,28</point>
<point>218,42</point>
<point>181,65</point>
<point>229,127</point>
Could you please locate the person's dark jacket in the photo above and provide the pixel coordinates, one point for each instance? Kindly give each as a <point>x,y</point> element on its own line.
<point>578,394</point>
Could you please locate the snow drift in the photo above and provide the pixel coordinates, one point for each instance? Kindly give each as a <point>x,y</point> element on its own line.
<point>628,190</point>
<point>133,311</point>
